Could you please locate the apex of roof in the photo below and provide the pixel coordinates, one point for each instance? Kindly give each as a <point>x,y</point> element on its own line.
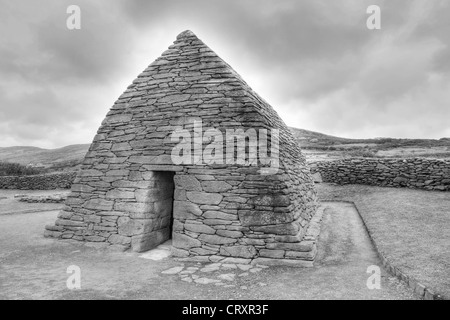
<point>186,34</point>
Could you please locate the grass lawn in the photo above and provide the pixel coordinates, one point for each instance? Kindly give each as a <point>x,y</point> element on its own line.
<point>410,227</point>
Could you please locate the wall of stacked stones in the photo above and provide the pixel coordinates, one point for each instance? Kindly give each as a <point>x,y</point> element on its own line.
<point>237,212</point>
<point>227,210</point>
<point>416,173</point>
<point>38,182</point>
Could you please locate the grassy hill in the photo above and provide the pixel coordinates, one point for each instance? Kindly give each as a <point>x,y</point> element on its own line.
<point>53,159</point>
<point>316,140</point>
<point>319,146</point>
<point>315,145</point>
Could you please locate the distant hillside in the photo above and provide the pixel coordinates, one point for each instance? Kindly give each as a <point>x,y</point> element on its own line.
<point>311,138</point>
<point>314,140</point>
<point>319,146</point>
<point>69,156</point>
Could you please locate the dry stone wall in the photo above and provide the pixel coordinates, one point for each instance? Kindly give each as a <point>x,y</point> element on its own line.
<point>38,182</point>
<point>122,195</point>
<point>225,213</point>
<point>53,198</point>
<point>415,173</point>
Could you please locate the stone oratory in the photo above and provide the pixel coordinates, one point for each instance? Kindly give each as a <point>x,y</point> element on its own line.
<point>150,174</point>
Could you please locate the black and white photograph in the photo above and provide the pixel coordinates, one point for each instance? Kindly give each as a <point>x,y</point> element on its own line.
<point>220,156</point>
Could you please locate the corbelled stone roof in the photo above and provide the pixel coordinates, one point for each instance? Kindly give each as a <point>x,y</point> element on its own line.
<point>189,75</point>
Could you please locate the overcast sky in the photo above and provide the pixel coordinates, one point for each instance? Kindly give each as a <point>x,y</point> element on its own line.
<point>314,61</point>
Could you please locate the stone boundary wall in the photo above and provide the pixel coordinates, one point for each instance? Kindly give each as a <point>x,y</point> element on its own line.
<point>52,198</point>
<point>414,173</point>
<point>62,180</point>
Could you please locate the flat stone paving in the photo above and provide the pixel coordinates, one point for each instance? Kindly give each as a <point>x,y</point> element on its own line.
<point>218,274</point>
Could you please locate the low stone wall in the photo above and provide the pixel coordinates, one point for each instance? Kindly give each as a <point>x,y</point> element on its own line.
<point>52,198</point>
<point>415,173</point>
<point>51,181</point>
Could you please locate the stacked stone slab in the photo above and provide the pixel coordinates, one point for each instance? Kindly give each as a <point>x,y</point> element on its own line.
<point>130,193</point>
<point>62,180</point>
<point>414,173</point>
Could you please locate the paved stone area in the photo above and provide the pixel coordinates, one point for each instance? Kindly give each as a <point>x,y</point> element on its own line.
<point>218,274</point>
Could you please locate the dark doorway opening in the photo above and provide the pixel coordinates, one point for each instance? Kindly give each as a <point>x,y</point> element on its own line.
<point>163,189</point>
<point>159,218</point>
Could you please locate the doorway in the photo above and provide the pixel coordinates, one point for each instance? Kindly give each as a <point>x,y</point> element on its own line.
<point>159,218</point>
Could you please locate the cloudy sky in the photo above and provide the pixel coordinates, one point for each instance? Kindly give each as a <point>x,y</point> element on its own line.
<point>314,61</point>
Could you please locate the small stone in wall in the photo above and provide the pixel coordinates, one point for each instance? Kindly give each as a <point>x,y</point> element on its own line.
<point>204,198</point>
<point>317,177</point>
<point>244,267</point>
<point>209,269</point>
<point>192,268</point>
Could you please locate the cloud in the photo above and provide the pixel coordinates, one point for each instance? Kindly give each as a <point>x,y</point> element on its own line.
<point>58,84</point>
<point>52,53</point>
<point>314,61</point>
